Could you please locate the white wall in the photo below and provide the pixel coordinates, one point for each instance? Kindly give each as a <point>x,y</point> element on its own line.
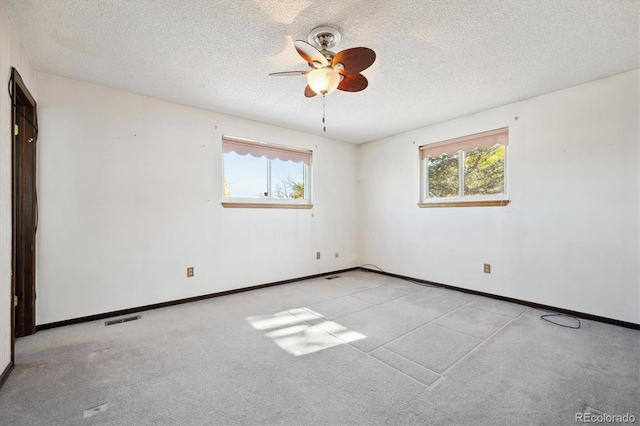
<point>12,54</point>
<point>568,239</point>
<point>130,191</point>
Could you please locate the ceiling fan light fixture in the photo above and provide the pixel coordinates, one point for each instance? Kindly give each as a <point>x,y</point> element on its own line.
<point>329,70</point>
<point>323,80</point>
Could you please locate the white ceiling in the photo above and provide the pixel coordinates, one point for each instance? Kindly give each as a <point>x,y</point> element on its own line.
<point>436,60</point>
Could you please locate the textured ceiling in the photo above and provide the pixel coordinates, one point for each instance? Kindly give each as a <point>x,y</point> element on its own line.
<point>436,60</point>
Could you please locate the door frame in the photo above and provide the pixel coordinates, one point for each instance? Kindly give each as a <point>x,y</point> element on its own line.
<point>20,93</point>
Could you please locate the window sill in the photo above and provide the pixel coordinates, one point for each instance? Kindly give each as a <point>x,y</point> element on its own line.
<point>232,205</point>
<point>468,203</point>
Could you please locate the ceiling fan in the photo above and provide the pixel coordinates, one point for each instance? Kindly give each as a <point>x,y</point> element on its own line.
<point>330,71</point>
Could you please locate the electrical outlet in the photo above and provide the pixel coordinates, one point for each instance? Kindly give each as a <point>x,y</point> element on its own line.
<point>487,268</point>
<point>317,255</point>
<point>190,271</point>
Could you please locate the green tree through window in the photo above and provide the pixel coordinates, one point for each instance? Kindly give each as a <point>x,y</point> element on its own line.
<point>443,176</point>
<point>482,173</point>
<point>289,188</point>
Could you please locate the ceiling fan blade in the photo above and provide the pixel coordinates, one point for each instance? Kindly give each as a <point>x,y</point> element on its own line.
<point>355,60</point>
<point>308,92</point>
<point>353,83</point>
<point>288,73</point>
<point>310,53</point>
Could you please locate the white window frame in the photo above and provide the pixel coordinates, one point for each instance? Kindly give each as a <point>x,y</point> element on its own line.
<point>480,200</point>
<point>257,202</point>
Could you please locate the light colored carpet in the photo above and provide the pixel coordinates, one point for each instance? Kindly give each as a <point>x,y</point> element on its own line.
<point>361,349</point>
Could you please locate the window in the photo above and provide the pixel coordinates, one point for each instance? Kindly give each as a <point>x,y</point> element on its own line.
<point>265,175</point>
<point>466,171</point>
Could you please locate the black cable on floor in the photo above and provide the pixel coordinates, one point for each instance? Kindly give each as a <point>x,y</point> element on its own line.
<point>544,317</point>
<point>401,278</point>
<point>371,264</point>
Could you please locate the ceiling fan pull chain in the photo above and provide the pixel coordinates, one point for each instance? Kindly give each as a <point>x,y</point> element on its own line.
<point>324,126</point>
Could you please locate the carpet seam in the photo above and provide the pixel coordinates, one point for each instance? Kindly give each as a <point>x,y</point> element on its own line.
<point>469,335</point>
<point>372,304</point>
<point>440,376</point>
<point>416,328</point>
<point>347,295</point>
<point>482,342</point>
<point>400,371</point>
<point>368,354</point>
<point>502,315</point>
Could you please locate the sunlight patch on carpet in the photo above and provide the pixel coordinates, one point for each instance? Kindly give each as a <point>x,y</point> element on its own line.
<point>292,331</point>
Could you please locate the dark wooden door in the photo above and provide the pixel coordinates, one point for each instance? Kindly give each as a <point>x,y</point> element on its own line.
<point>24,208</point>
